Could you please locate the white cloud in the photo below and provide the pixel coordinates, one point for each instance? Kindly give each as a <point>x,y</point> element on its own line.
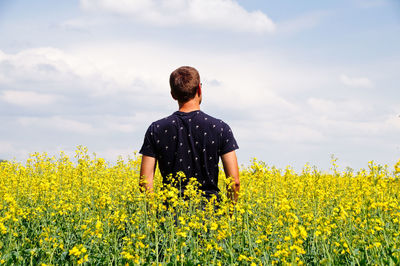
<point>112,154</point>
<point>338,108</point>
<point>129,71</point>
<point>282,131</point>
<point>322,105</point>
<point>51,70</point>
<point>242,83</point>
<point>361,82</point>
<point>128,124</point>
<point>8,147</point>
<point>43,64</point>
<point>92,125</point>
<point>28,98</point>
<point>394,122</point>
<point>372,130</point>
<point>212,14</point>
<point>5,147</point>
<point>262,96</point>
<point>350,119</point>
<point>57,123</point>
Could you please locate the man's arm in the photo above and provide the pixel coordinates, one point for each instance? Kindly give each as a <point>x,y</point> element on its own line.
<point>147,169</point>
<point>231,169</point>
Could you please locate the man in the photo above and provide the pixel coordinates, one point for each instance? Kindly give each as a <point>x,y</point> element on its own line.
<point>190,141</point>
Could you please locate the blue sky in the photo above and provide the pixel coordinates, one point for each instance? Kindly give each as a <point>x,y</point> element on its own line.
<point>297,81</point>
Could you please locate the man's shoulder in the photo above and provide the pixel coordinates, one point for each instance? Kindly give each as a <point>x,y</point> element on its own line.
<point>163,121</point>
<point>197,115</point>
<point>214,120</point>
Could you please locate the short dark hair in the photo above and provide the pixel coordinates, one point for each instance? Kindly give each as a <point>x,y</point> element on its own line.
<point>184,83</point>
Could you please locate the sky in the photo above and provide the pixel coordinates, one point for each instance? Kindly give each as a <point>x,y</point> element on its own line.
<point>297,81</point>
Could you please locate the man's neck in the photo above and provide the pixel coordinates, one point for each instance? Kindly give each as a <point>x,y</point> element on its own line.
<point>189,106</point>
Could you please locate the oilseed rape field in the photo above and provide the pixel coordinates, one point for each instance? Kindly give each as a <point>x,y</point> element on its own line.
<point>83,210</point>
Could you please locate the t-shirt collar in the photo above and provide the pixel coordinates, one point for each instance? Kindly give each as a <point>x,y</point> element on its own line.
<point>189,114</point>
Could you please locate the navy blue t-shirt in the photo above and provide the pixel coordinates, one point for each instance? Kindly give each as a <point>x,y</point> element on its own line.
<point>192,143</point>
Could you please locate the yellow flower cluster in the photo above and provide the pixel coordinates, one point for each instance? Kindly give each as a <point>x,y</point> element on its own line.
<point>79,253</point>
<point>84,210</point>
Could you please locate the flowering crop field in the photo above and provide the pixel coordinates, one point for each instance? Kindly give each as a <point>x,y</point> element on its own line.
<point>86,211</point>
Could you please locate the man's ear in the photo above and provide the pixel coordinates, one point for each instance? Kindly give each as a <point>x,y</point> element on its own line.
<point>199,90</point>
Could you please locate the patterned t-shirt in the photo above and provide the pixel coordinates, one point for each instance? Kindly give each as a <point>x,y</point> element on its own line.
<point>192,143</point>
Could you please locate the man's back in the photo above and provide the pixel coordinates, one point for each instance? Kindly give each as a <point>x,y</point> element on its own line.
<point>192,143</point>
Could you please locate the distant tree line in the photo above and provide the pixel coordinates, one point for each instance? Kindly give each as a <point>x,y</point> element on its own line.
<point>1,160</point>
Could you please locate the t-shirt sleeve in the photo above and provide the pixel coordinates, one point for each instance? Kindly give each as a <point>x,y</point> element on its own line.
<point>148,147</point>
<point>227,141</point>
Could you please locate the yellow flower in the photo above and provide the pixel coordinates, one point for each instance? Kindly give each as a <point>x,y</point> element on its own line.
<point>75,251</point>
<point>3,229</point>
<point>83,260</point>
<point>214,226</point>
<point>303,232</point>
<point>377,244</point>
